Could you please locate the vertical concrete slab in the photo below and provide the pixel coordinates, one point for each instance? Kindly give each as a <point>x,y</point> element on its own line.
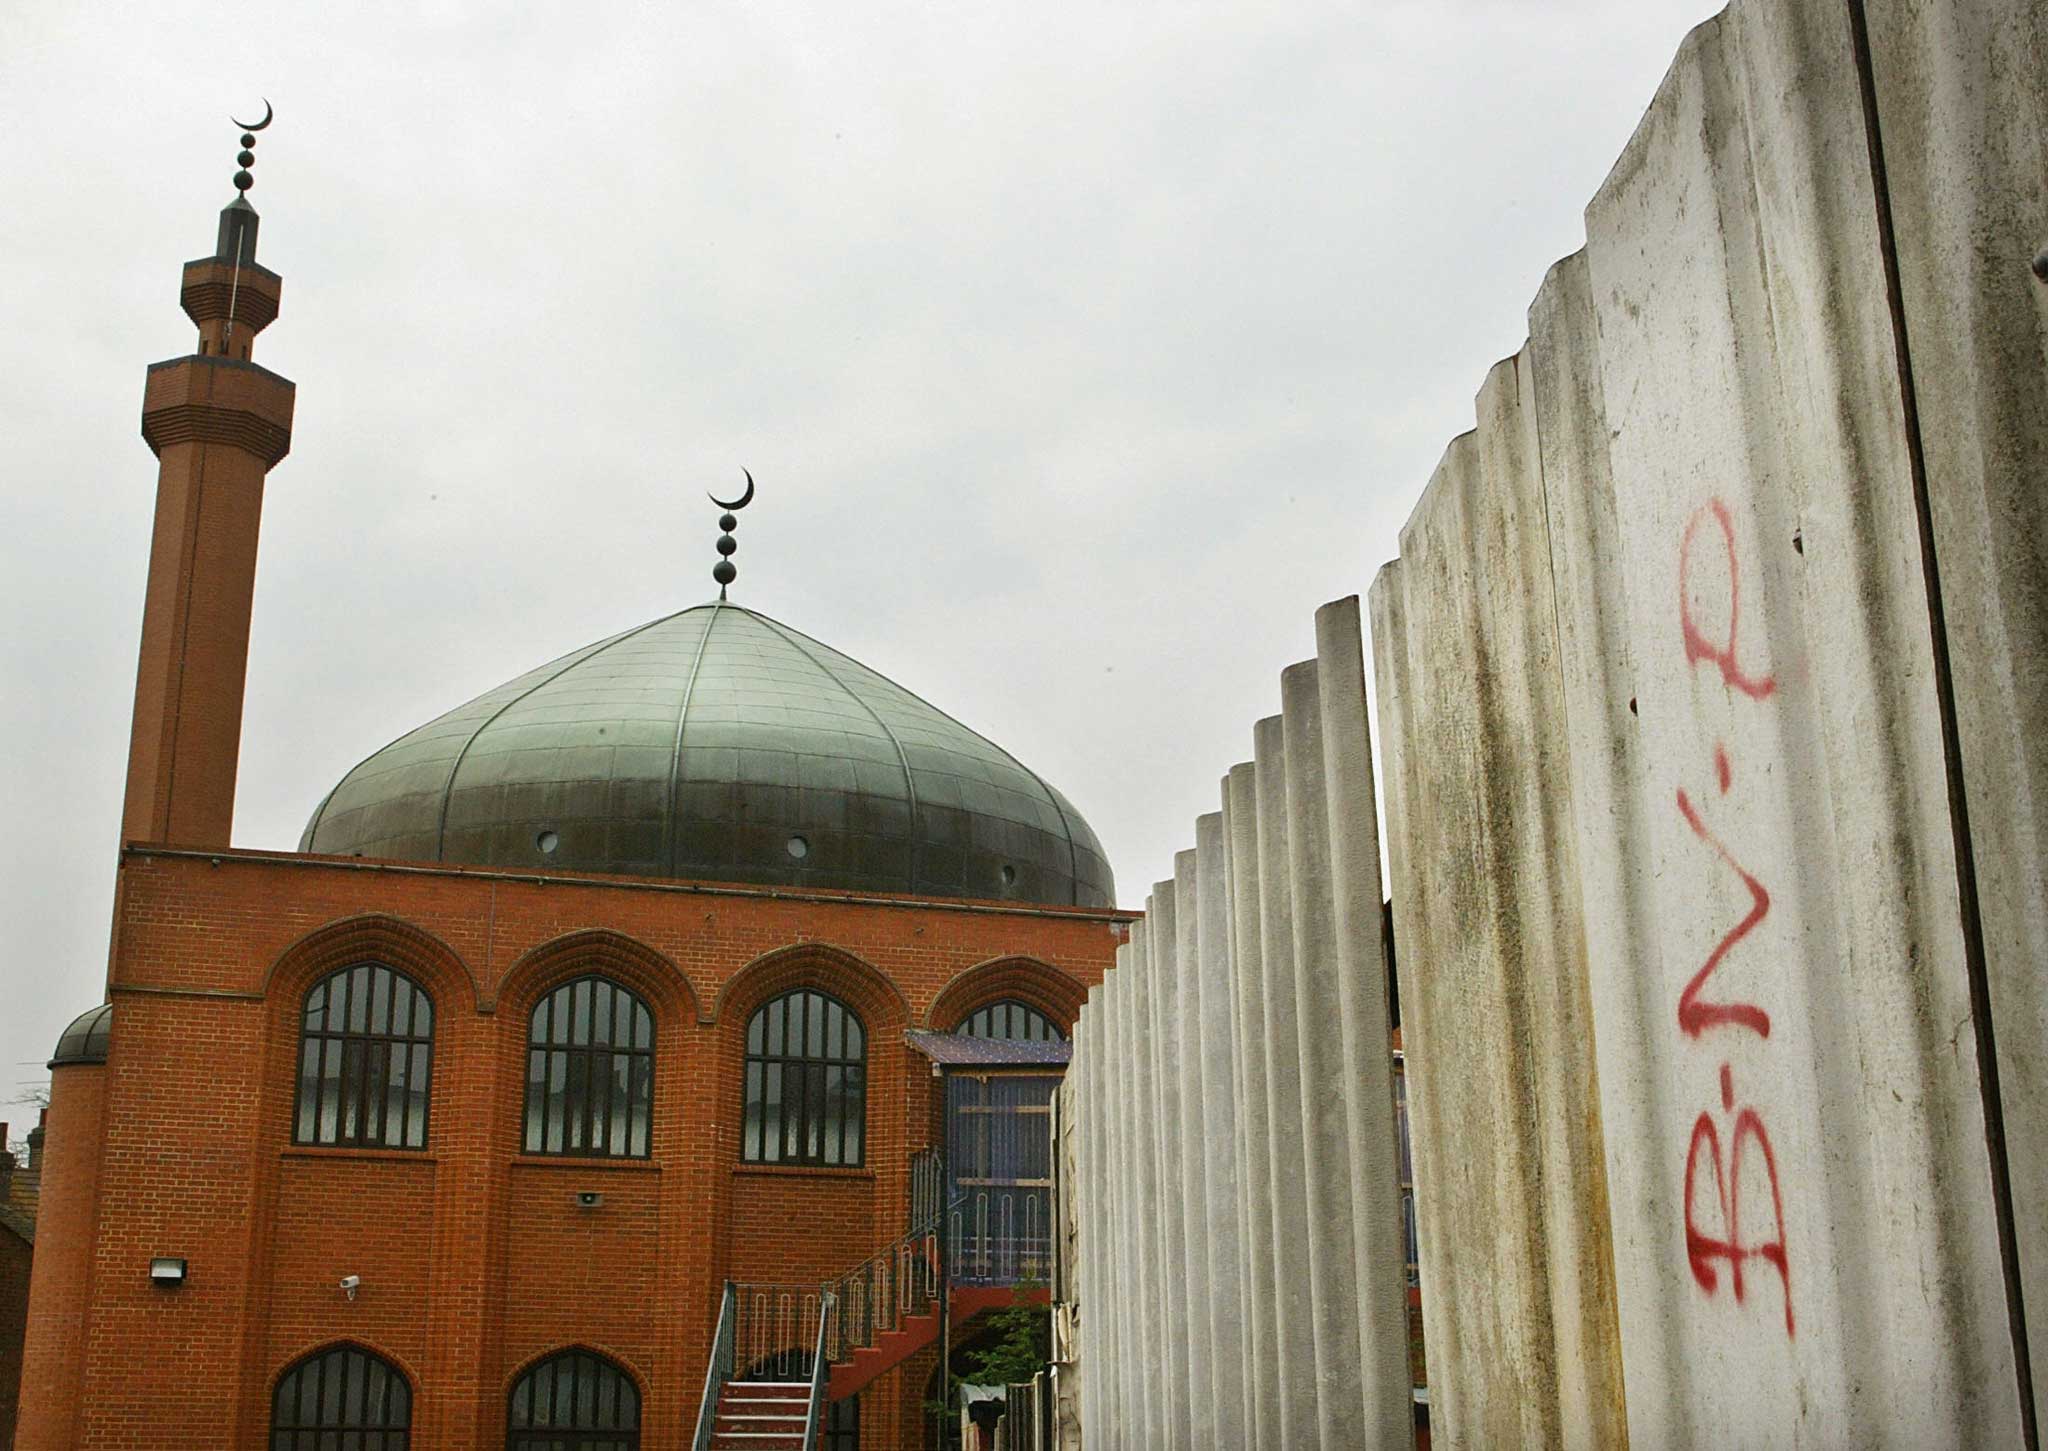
<point>1168,1218</point>
<point>1223,1171</point>
<point>1296,1415</point>
<point>1127,1422</point>
<point>1372,1141</point>
<point>1089,1196</point>
<point>1143,1354</point>
<point>1193,1144</point>
<point>1816,1005</point>
<point>1319,1045</point>
<point>1452,1367</point>
<point>1100,1302</point>
<point>1961,92</point>
<point>1477,1127</point>
<point>1597,687</point>
<point>1259,1239</point>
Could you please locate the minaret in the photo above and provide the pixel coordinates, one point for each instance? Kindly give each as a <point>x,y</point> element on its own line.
<point>217,423</point>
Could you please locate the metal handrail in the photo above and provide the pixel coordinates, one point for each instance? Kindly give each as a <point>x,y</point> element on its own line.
<point>769,1324</point>
<point>718,1371</point>
<point>819,1366</point>
<point>992,1239</point>
<point>875,1295</point>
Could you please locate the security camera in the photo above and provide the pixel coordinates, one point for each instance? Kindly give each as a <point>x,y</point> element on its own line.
<point>588,1198</point>
<point>350,1284</point>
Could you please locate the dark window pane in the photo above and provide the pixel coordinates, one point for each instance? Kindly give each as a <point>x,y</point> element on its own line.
<point>309,1089</point>
<point>1010,1019</point>
<point>585,1396</point>
<point>802,1094</point>
<point>590,1072</point>
<point>364,1055</point>
<point>750,1132</point>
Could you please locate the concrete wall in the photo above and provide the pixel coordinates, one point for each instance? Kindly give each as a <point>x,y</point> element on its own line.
<point>1234,1179</point>
<point>1713,703</point>
<point>1712,660</point>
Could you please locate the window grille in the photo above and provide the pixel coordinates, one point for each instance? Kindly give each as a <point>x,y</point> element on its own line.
<point>806,1083</point>
<point>366,1048</point>
<point>1012,1020</point>
<point>575,1401</point>
<point>342,1396</point>
<point>590,1072</point>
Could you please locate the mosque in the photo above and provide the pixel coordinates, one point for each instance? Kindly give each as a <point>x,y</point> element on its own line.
<point>654,1047</point>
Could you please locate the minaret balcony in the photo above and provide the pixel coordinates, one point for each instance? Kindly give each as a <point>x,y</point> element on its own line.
<point>218,400</point>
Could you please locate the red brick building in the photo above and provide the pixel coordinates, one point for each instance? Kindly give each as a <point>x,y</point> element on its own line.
<point>18,1183</point>
<point>578,1003</point>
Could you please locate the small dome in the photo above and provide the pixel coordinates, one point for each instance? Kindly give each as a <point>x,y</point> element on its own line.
<point>85,1041</point>
<point>717,744</point>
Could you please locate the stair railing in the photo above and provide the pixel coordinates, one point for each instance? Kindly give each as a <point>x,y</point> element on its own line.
<point>820,1368</point>
<point>773,1325</point>
<point>718,1372</point>
<point>999,1238</point>
<point>874,1297</point>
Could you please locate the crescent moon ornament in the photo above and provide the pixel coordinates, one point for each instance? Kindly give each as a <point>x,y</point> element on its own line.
<point>268,114</point>
<point>741,502</point>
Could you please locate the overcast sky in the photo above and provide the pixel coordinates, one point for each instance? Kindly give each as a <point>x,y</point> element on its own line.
<point>1080,352</point>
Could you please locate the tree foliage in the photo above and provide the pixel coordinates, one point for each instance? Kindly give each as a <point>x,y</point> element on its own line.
<point>1022,1343</point>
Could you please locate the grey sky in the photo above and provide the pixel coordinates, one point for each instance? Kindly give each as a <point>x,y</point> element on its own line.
<point>1080,352</point>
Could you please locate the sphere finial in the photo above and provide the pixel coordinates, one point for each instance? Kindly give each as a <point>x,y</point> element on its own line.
<point>725,571</point>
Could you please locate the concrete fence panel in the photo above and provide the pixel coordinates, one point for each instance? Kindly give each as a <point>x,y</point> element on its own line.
<point>1960,99</point>
<point>1663,721</point>
<point>1713,713</point>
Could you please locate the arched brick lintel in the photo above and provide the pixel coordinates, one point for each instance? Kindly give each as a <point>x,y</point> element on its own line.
<point>373,935</point>
<point>649,972</point>
<point>854,980</point>
<point>1057,994</point>
<point>308,1349</point>
<point>625,1364</point>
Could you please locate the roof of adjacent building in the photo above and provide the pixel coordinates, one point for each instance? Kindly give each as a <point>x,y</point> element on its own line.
<point>957,1050</point>
<point>719,744</point>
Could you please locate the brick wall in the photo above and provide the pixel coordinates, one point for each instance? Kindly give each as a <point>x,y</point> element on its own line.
<point>14,1266</point>
<point>475,1258</point>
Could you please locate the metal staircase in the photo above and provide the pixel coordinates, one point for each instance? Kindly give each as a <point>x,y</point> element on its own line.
<point>779,1405</point>
<point>783,1351</point>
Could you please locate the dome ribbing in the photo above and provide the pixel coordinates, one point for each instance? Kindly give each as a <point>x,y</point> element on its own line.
<point>718,744</point>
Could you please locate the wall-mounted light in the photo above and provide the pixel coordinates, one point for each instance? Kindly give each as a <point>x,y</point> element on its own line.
<point>588,1199</point>
<point>167,1272</point>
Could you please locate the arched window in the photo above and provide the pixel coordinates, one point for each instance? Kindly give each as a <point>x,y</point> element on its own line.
<point>342,1396</point>
<point>806,1089</point>
<point>366,1052</point>
<point>575,1401</point>
<point>1010,1019</point>
<point>590,1072</point>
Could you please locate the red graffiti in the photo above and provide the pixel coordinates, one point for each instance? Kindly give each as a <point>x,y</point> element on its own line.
<point>1702,1249</point>
<point>1697,646</point>
<point>1694,1015</point>
<point>1709,1255</point>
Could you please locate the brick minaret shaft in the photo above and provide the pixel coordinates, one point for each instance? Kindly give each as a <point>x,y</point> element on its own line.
<point>218,423</point>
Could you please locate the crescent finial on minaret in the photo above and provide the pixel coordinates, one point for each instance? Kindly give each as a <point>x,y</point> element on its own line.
<point>247,157</point>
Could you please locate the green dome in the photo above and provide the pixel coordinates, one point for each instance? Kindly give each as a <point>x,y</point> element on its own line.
<point>85,1040</point>
<point>717,744</point>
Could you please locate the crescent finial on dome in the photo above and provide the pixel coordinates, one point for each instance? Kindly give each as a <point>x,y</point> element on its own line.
<point>725,571</point>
